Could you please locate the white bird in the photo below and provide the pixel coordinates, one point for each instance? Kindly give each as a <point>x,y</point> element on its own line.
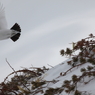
<point>13,33</point>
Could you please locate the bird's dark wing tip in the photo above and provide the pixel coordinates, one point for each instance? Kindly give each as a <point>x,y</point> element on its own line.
<point>15,37</point>
<point>16,27</point>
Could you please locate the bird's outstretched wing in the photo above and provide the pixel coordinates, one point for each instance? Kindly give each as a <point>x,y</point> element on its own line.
<point>13,33</point>
<point>3,22</point>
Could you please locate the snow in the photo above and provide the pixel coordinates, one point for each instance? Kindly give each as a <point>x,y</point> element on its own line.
<point>54,73</point>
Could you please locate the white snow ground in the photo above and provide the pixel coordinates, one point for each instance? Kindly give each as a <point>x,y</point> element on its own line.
<point>54,73</point>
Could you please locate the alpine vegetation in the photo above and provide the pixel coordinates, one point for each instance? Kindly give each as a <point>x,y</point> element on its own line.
<point>75,76</point>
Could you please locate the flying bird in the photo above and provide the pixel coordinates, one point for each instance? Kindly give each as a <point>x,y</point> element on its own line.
<point>13,33</point>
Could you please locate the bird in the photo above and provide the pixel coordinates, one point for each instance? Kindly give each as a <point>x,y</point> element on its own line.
<point>13,33</point>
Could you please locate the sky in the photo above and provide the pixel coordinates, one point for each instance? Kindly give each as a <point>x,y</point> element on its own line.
<point>47,27</point>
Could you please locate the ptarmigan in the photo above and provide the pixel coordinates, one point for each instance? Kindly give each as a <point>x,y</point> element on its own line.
<point>13,33</point>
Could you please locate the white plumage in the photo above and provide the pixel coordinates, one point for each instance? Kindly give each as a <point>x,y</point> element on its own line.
<point>13,33</point>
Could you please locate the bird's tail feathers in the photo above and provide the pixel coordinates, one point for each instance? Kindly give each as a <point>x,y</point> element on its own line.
<point>18,29</point>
